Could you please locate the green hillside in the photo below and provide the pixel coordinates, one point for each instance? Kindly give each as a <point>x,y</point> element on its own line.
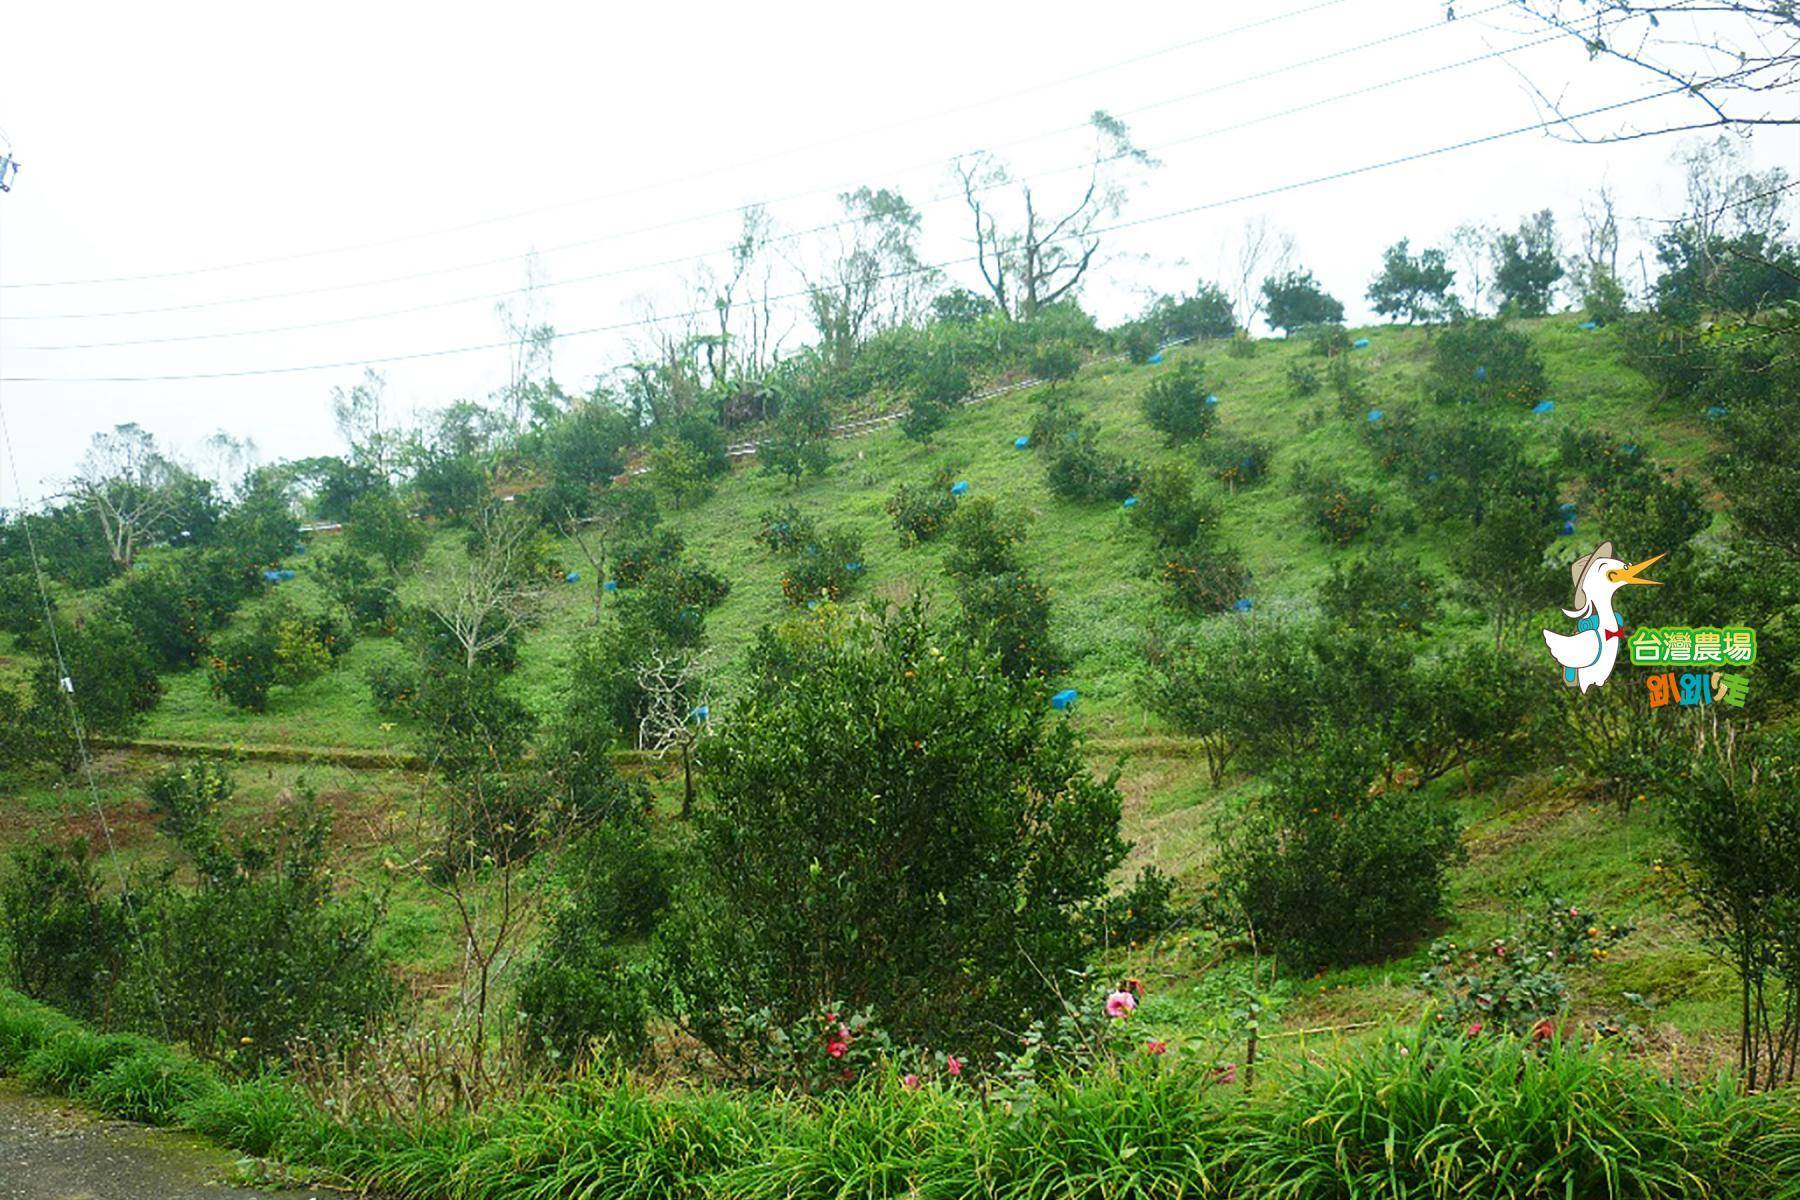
<point>1104,601</point>
<point>1105,605</point>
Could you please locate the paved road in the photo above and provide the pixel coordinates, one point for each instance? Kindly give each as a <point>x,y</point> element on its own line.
<point>49,1151</point>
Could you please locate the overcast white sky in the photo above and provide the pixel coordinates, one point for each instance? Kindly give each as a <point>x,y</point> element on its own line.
<point>291,164</point>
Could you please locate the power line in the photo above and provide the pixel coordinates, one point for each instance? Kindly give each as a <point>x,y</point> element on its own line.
<point>953,110</point>
<point>795,235</point>
<point>734,210</point>
<point>1263,193</point>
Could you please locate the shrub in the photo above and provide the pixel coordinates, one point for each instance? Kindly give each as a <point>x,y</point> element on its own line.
<point>637,557</point>
<point>908,831</point>
<point>65,941</point>
<point>1482,361</point>
<point>1143,911</point>
<point>937,385</point>
<point>280,645</point>
<point>1379,592</point>
<point>171,610</point>
<point>1239,689</point>
<point>1329,874</point>
<point>922,513</point>
<point>1735,810</point>
<point>1208,313</point>
<point>1303,379</point>
<point>581,1002</point>
<point>1341,510</point>
<point>1077,469</point>
<point>1055,361</point>
<point>380,525</point>
<point>1237,461</point>
<point>1010,613</point>
<point>780,530</point>
<point>825,566</point>
<point>112,682</point>
<point>258,954</point>
<point>1517,983</point>
<point>186,797</point>
<point>1170,511</point>
<point>984,539</point>
<point>1175,404</point>
<point>366,599</point>
<point>1054,423</point>
<point>1203,577</point>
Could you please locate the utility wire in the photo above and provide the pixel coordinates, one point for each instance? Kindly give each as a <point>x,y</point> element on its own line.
<point>796,235</point>
<point>954,110</point>
<point>562,335</point>
<point>436,272</point>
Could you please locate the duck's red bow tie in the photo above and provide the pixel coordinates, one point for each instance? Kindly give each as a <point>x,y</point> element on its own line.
<point>1614,633</point>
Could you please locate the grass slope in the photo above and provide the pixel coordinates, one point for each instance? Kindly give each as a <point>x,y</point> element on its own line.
<point>1519,831</point>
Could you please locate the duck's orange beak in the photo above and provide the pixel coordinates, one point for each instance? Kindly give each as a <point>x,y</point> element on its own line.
<point>1630,574</point>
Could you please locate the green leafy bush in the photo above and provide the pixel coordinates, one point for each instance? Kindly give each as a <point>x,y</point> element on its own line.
<point>258,954</point>
<point>1175,404</point>
<point>784,529</point>
<point>922,513</point>
<point>283,645</point>
<point>65,939</point>
<point>1329,874</point>
<point>908,829</point>
<point>366,598</point>
<point>1076,468</point>
<point>1480,361</point>
<point>825,566</point>
<point>1341,510</point>
<point>1237,461</point>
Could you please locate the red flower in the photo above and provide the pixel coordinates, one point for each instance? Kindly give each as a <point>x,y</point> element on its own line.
<point>1152,1046</point>
<point>1543,1030</point>
<point>910,1082</point>
<point>953,1065</point>
<point>836,1047</point>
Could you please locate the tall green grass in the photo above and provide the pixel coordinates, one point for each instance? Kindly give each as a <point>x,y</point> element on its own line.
<point>1432,1120</point>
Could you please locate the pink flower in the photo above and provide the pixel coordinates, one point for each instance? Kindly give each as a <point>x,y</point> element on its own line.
<point>953,1065</point>
<point>1475,1029</point>
<point>910,1082</point>
<point>836,1047</point>
<point>1152,1046</point>
<point>1120,1005</point>
<point>1225,1074</point>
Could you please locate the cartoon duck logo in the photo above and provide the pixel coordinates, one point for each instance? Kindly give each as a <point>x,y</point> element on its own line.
<point>1587,656</point>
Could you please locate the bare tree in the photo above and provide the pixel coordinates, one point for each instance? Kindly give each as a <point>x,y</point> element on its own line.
<point>1471,247</point>
<point>530,340</point>
<point>676,712</point>
<point>873,278</point>
<point>227,458</point>
<point>361,418</point>
<point>1262,252</point>
<point>1739,60</point>
<point>1036,257</point>
<point>125,482</point>
<point>494,591</point>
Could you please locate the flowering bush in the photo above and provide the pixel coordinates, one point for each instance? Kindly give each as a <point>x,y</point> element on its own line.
<point>818,1052</point>
<point>1517,983</point>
